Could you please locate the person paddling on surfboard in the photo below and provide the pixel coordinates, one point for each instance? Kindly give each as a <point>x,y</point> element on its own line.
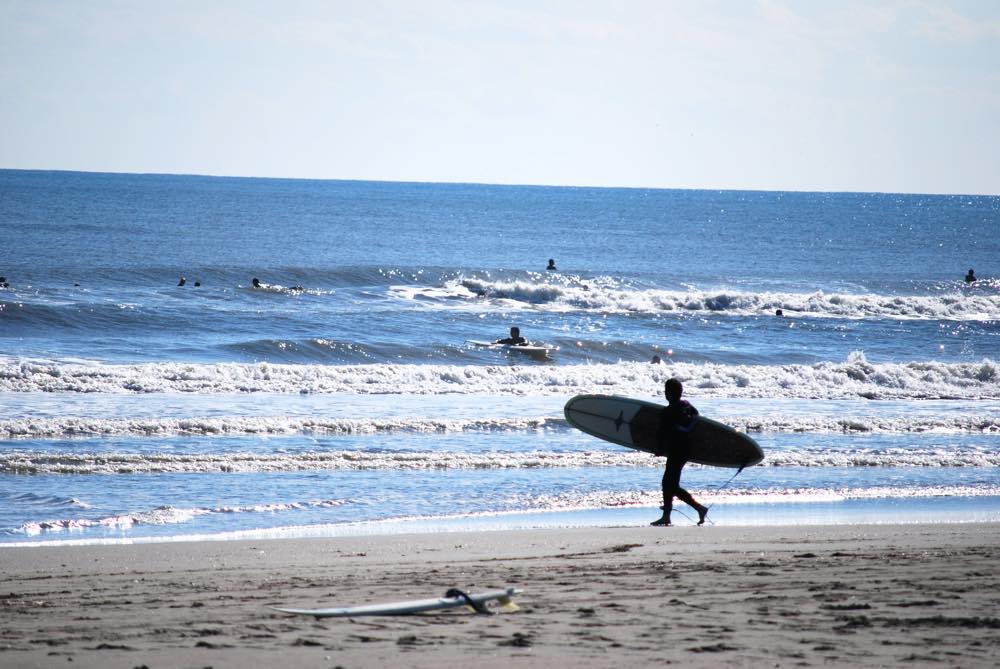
<point>515,338</point>
<point>676,422</point>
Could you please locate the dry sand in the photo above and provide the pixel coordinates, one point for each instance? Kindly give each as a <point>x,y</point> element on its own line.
<point>901,595</point>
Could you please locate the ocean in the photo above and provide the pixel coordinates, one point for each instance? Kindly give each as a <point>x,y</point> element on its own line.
<point>343,396</point>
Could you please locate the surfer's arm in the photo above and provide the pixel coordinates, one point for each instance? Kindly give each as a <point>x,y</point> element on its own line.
<point>691,416</point>
<point>677,418</point>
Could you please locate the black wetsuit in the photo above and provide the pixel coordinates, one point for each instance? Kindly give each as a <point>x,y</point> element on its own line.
<point>676,422</point>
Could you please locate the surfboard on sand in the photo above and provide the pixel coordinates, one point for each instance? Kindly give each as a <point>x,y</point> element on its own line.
<point>634,423</point>
<point>501,600</point>
<point>533,350</point>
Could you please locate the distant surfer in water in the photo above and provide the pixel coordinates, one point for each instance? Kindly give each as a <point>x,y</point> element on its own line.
<point>515,338</point>
<point>552,265</point>
<point>677,420</point>
<point>970,277</point>
<point>255,283</point>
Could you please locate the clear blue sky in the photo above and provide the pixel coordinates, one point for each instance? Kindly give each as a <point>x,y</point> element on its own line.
<point>897,96</point>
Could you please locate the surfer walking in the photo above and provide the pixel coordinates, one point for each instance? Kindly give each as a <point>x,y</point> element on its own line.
<point>676,423</point>
<point>515,338</point>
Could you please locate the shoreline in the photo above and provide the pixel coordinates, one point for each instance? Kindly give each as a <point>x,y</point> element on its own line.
<point>820,511</point>
<point>845,595</point>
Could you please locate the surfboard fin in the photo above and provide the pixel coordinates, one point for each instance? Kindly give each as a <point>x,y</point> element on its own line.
<point>507,605</point>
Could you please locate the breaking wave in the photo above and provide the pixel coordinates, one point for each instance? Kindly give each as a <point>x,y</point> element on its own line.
<point>610,297</point>
<point>851,379</point>
<point>30,462</point>
<point>80,427</point>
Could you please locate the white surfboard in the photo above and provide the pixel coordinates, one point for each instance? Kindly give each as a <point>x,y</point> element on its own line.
<point>534,350</point>
<point>480,602</point>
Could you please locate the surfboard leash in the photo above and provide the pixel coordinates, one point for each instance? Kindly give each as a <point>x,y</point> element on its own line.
<point>738,472</point>
<point>478,607</point>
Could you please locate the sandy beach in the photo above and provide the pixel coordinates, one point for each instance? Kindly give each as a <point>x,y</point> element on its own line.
<point>715,596</point>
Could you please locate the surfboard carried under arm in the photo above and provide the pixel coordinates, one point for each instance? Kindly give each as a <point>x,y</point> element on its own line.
<point>490,601</point>
<point>634,423</point>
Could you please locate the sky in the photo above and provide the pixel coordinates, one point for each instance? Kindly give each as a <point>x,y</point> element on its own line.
<point>825,95</point>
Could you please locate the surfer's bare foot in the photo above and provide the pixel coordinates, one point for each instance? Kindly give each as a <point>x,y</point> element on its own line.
<point>662,522</point>
<point>702,512</point>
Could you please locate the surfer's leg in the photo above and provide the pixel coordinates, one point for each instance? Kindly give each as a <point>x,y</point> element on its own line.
<point>670,484</point>
<point>702,510</point>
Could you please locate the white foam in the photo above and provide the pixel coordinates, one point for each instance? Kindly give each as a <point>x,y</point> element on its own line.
<point>162,515</point>
<point>603,295</point>
<point>74,426</point>
<point>61,427</point>
<point>650,498</point>
<point>72,462</point>
<point>853,378</point>
<point>46,462</point>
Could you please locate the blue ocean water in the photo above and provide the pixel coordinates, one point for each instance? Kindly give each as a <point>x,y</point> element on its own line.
<point>343,394</point>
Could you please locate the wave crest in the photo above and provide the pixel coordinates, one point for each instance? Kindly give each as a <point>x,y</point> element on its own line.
<point>851,379</point>
<point>609,296</point>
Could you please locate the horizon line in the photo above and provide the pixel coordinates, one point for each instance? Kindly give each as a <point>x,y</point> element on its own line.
<point>501,184</point>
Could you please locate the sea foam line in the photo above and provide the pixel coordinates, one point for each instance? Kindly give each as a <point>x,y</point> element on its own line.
<point>161,515</point>
<point>46,462</point>
<point>608,297</point>
<point>851,379</point>
<point>81,426</point>
<point>648,498</point>
<point>69,427</point>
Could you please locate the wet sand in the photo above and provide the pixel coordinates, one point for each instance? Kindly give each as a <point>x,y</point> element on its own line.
<point>874,595</point>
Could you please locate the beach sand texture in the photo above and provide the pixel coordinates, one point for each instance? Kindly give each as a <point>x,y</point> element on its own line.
<point>874,595</point>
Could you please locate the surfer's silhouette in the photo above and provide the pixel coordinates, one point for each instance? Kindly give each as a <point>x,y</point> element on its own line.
<point>552,264</point>
<point>970,277</point>
<point>676,422</point>
<point>515,338</point>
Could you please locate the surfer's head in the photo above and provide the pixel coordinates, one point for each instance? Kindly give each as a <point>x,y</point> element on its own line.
<point>673,390</point>
<point>515,331</point>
